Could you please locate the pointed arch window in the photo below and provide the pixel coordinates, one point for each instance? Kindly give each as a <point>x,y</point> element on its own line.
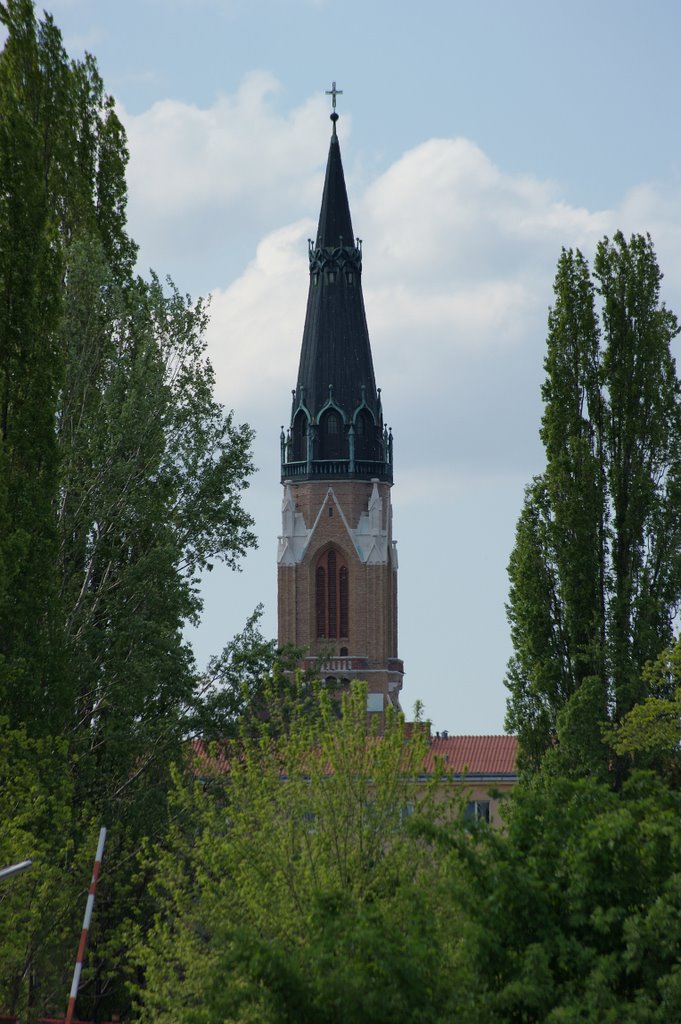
<point>300,428</point>
<point>365,436</point>
<point>332,594</point>
<point>332,435</point>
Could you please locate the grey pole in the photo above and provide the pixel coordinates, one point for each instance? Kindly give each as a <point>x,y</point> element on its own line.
<point>14,869</point>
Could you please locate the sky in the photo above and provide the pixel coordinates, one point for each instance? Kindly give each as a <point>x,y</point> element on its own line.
<point>477,140</point>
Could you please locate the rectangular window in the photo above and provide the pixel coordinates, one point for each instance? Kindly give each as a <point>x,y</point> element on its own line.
<point>477,810</point>
<point>374,702</point>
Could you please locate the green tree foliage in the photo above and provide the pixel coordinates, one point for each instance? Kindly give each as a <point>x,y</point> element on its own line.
<point>595,573</point>
<point>38,910</point>
<point>574,913</point>
<point>236,683</point>
<point>651,733</point>
<point>30,370</point>
<point>151,489</point>
<point>290,888</point>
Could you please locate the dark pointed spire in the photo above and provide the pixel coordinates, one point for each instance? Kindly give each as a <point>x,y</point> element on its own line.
<point>336,387</point>
<point>334,217</point>
<point>335,225</point>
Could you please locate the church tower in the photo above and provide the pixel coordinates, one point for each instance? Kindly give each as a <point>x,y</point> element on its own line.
<point>337,561</point>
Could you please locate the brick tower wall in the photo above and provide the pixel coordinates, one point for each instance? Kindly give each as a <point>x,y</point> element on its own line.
<point>372,587</point>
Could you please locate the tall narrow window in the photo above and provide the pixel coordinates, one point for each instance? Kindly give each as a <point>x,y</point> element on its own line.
<point>321,601</point>
<point>300,437</point>
<point>343,601</point>
<point>332,597</point>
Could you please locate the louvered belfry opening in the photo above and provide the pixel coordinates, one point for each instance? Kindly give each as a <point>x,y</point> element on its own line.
<point>332,436</point>
<point>299,438</point>
<point>365,436</point>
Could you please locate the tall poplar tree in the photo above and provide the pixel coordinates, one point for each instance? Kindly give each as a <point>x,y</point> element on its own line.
<point>31,662</point>
<point>121,478</point>
<point>595,574</point>
<point>62,172</point>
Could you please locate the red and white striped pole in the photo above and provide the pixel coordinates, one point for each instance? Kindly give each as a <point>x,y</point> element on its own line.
<point>86,925</point>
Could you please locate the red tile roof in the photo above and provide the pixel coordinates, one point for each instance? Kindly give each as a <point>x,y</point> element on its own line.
<point>477,755</point>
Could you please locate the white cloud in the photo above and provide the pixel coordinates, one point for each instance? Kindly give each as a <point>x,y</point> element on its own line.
<point>211,181</point>
<point>184,158</point>
<point>256,323</point>
<point>445,208</point>
<point>487,311</point>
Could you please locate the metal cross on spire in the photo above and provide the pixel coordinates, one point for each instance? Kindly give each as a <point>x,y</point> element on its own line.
<point>333,92</point>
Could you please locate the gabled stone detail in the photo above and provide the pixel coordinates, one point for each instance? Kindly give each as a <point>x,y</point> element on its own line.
<point>294,534</point>
<point>370,539</point>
